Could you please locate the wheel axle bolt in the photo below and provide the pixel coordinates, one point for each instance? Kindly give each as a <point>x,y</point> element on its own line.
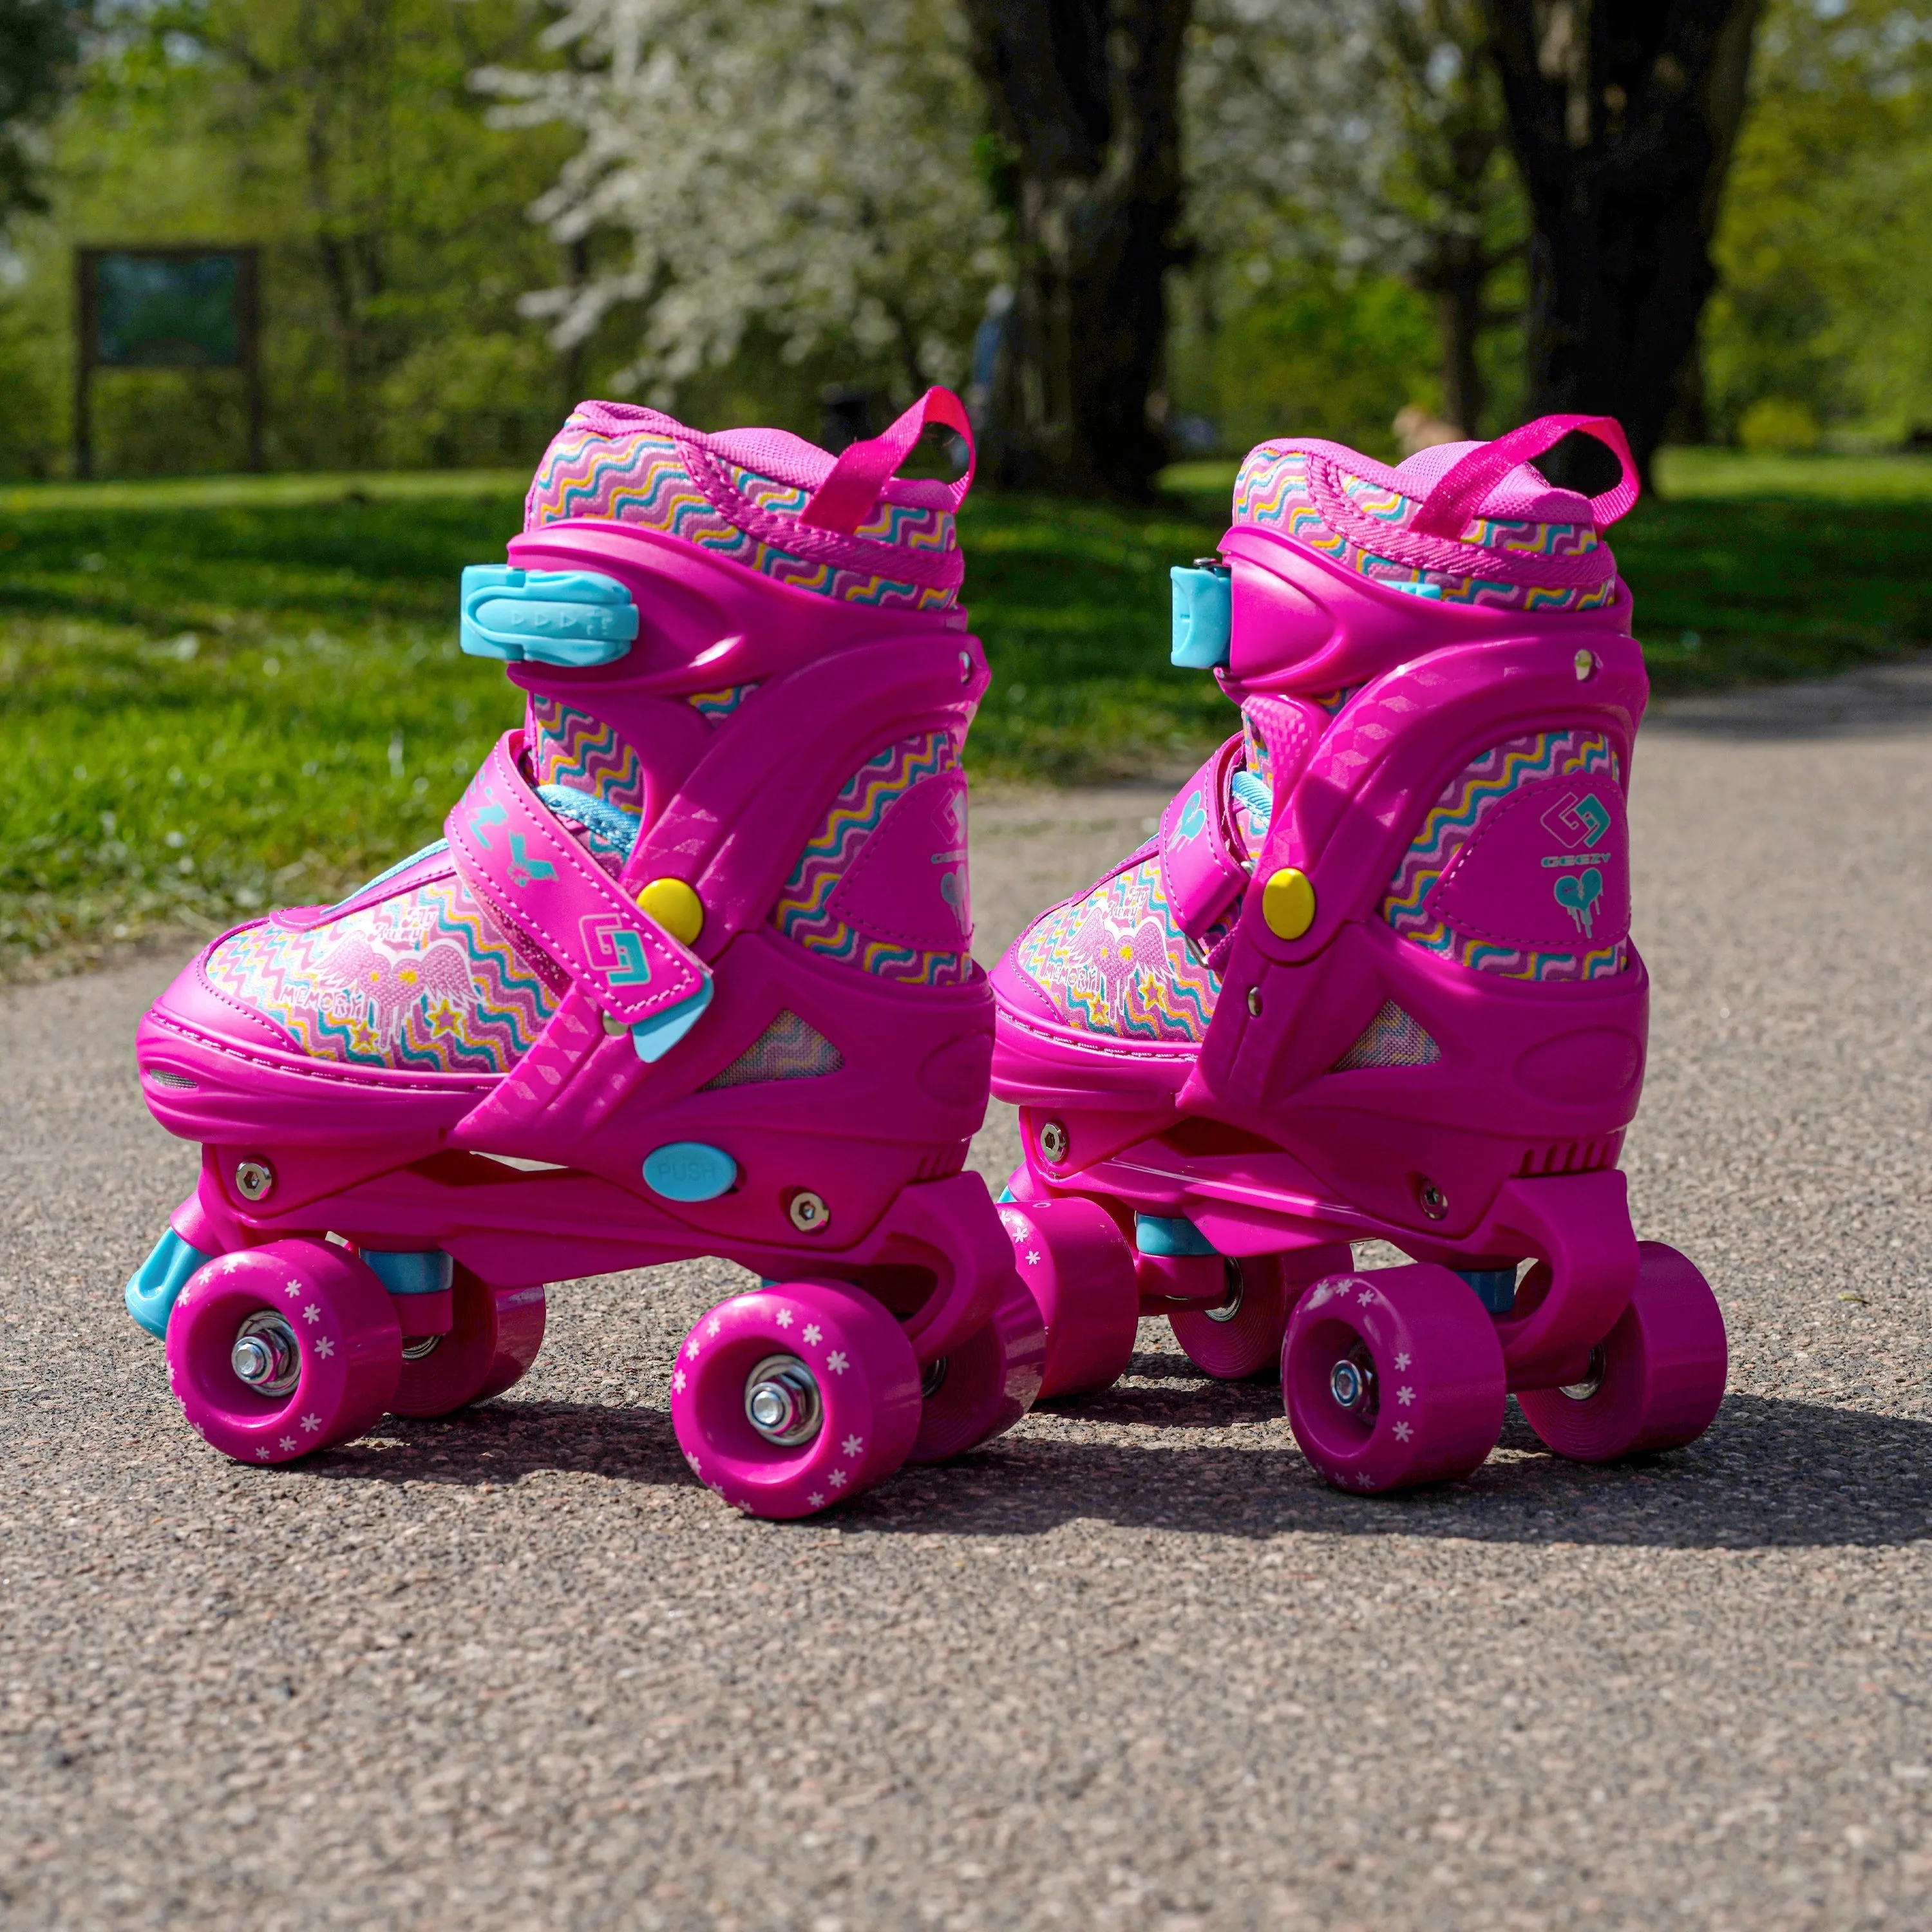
<point>782,1401</point>
<point>1349,1383</point>
<point>1434,1203</point>
<point>1053,1141</point>
<point>254,1178</point>
<point>264,1353</point>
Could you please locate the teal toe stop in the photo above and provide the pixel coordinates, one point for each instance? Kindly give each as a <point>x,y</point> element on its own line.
<point>1203,616</point>
<point>568,617</point>
<point>654,1037</point>
<point>154,1287</point>
<point>1169,1235</point>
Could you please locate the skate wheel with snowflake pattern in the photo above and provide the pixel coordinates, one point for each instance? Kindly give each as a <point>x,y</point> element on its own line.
<point>979,1388</point>
<point>1077,1267</point>
<point>278,1351</point>
<point>492,1340</point>
<point>792,1399</point>
<point>1393,1377</point>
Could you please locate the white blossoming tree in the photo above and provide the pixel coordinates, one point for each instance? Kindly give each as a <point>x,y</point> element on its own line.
<point>802,168</point>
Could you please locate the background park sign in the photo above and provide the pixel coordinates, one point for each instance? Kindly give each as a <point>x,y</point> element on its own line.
<point>186,307</point>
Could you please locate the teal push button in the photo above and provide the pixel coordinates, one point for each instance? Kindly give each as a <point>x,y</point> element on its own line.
<point>1169,1235</point>
<point>690,1170</point>
<point>570,617</point>
<point>1203,607</point>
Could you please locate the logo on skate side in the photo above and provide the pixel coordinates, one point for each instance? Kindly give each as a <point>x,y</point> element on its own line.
<point>1193,817</point>
<point>615,950</point>
<point>1577,821</point>
<point>1577,893</point>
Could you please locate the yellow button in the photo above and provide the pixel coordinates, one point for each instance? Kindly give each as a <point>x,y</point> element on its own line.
<point>1288,903</point>
<point>677,908</point>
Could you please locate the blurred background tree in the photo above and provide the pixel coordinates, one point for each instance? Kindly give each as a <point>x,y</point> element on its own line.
<point>40,43</point>
<point>1138,227</point>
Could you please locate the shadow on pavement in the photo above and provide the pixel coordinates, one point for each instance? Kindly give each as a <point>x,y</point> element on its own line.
<point>1771,1474</point>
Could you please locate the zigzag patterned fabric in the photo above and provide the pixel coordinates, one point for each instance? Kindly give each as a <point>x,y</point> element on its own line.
<point>801,912</point>
<point>1274,492</point>
<point>1455,817</point>
<point>570,747</point>
<point>1116,962</point>
<point>423,980</point>
<point>639,477</point>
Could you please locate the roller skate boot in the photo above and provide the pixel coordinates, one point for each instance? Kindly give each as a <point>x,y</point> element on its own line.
<point>1372,980</point>
<point>689,974</point>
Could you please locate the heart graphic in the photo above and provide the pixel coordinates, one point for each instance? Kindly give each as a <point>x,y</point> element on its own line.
<point>1579,891</point>
<point>1193,817</point>
<point>952,889</point>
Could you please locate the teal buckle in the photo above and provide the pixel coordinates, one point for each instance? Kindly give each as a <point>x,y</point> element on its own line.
<point>1203,612</point>
<point>570,617</point>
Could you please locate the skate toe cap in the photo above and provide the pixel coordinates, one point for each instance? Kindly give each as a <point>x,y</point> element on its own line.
<point>194,1002</point>
<point>1016,989</point>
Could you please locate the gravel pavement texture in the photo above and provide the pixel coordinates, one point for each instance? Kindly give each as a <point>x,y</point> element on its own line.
<point>1134,1665</point>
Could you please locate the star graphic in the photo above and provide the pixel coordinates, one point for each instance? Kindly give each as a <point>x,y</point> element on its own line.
<point>836,1362</point>
<point>1367,1295</point>
<point>293,1291</point>
<point>714,1327</point>
<point>1403,1431</point>
<point>311,1423</point>
<point>1405,1395</point>
<point>1402,1362</point>
<point>812,1331</point>
<point>444,1020</point>
<point>837,1479</point>
<point>677,1381</point>
<point>313,1312</point>
<point>288,1442</point>
<point>1033,1258</point>
<point>784,1318</point>
<point>853,1445</point>
<point>265,1452</point>
<point>691,1347</point>
<point>324,1347</point>
<point>816,1499</point>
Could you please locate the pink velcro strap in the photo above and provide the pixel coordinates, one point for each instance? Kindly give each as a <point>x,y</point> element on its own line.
<point>1461,491</point>
<point>1200,871</point>
<point>850,494</point>
<point>515,856</point>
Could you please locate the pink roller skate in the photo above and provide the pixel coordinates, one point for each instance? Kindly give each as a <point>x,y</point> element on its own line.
<point>1372,980</point>
<point>690,975</point>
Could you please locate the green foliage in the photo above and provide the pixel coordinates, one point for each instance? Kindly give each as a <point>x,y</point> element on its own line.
<point>1314,352</point>
<point>39,40</point>
<point>217,696</point>
<point>343,136</point>
<point>1825,242</point>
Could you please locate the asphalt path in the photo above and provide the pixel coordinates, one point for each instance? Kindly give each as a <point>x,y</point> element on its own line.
<point>1133,1667</point>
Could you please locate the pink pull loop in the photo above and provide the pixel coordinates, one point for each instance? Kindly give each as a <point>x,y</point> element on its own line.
<point>850,494</point>
<point>1460,493</point>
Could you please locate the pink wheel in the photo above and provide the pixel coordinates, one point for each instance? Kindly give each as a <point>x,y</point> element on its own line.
<point>980,1388</point>
<point>795,1397</point>
<point>1655,1381</point>
<point>1240,1334</point>
<point>492,1342</point>
<point>277,1351</point>
<point>1392,1378</point>
<point>1080,1272</point>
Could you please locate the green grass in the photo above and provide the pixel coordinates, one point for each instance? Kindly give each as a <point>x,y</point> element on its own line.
<point>221,694</point>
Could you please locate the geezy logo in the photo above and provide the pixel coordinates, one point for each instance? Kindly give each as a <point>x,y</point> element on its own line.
<point>614,949</point>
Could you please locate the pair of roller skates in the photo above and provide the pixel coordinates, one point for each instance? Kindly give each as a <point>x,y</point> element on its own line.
<point>690,974</point>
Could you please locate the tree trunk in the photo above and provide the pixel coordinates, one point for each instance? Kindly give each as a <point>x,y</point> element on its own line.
<point>1084,95</point>
<point>1456,274</point>
<point>1623,114</point>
